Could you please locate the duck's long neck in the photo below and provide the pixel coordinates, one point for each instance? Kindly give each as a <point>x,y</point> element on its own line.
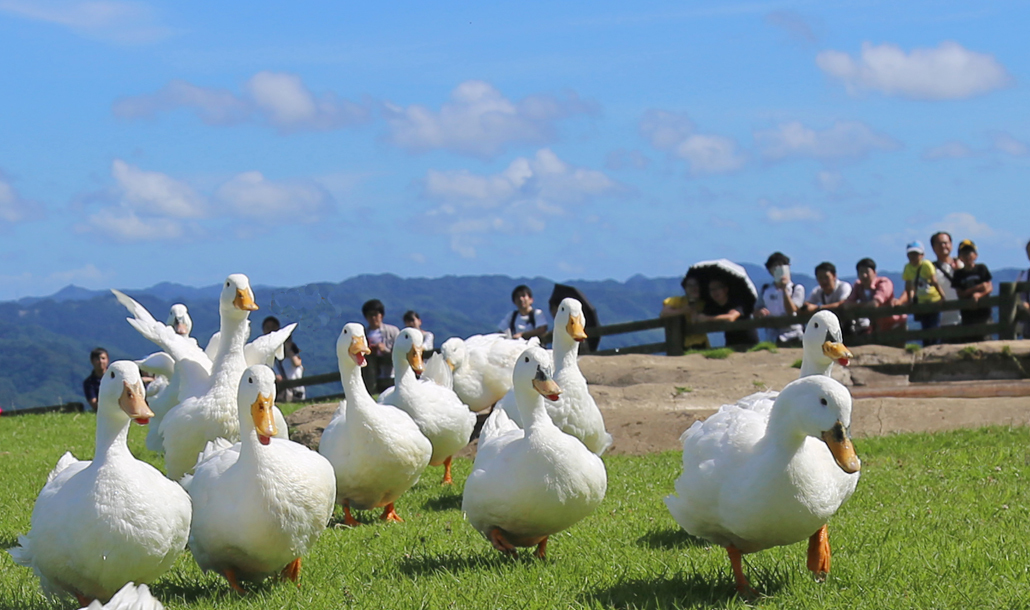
<point>112,432</point>
<point>816,364</point>
<point>234,335</point>
<point>250,448</point>
<point>531,408</point>
<point>781,434</point>
<point>404,375</point>
<point>566,352</point>
<point>353,385</point>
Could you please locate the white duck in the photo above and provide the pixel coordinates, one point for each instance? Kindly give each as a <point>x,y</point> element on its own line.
<point>129,597</point>
<point>438,412</point>
<point>259,505</point>
<point>529,484</point>
<point>102,523</point>
<point>753,480</point>
<point>482,366</point>
<point>575,411</point>
<point>377,451</point>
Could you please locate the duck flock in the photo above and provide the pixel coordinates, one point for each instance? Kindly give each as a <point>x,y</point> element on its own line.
<point>249,503</point>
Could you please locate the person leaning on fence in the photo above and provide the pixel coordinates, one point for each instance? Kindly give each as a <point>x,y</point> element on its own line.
<point>873,290</point>
<point>921,287</point>
<point>972,281</point>
<point>380,338</point>
<point>526,321</point>
<point>688,305</point>
<point>413,320</point>
<point>946,266</point>
<point>719,308</point>
<point>91,385</point>
<point>781,298</point>
<point>831,292</point>
<point>1023,298</point>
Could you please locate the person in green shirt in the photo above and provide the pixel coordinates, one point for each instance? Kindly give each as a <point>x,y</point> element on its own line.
<point>921,287</point>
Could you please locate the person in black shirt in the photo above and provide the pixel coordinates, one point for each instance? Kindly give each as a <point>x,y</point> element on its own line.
<point>972,281</point>
<point>719,308</point>
<point>91,384</point>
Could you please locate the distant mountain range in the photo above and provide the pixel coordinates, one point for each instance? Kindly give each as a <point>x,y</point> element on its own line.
<point>45,342</point>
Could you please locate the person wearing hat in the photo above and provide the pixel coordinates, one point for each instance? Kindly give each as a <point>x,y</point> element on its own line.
<point>972,281</point>
<point>921,286</point>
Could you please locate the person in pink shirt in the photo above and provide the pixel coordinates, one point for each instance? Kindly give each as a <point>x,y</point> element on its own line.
<point>872,289</point>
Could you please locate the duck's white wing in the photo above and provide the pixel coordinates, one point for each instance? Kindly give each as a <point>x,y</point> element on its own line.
<point>218,455</point>
<point>497,433</point>
<point>158,363</point>
<point>138,311</point>
<point>439,372</point>
<point>67,461</point>
<point>130,597</point>
<point>266,348</point>
<point>212,346</point>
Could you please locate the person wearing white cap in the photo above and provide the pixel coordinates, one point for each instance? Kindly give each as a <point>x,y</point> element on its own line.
<point>921,287</point>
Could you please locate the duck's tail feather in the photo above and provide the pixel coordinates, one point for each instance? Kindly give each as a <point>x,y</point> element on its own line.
<point>66,460</point>
<point>130,597</point>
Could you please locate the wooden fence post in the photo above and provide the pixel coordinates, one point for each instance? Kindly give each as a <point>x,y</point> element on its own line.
<point>1007,311</point>
<point>674,335</point>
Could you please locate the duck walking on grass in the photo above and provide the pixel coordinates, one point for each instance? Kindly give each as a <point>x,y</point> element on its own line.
<point>258,505</point>
<point>527,485</point>
<point>100,524</point>
<point>758,479</point>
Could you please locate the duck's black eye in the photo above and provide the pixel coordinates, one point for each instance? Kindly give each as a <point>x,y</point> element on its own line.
<point>250,380</point>
<point>823,402</point>
<point>527,358</point>
<point>817,325</point>
<point>227,283</point>
<point>112,373</point>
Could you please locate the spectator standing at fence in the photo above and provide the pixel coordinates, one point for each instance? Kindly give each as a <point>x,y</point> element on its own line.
<point>946,266</point>
<point>831,292</point>
<point>972,281</point>
<point>91,385</point>
<point>526,321</point>
<point>688,305</point>
<point>719,308</point>
<point>921,287</point>
<point>1023,302</point>
<point>380,338</point>
<point>413,320</point>
<point>290,367</point>
<point>873,290</point>
<point>781,298</point>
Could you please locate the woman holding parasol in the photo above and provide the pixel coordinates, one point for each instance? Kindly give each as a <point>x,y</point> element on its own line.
<point>729,295</point>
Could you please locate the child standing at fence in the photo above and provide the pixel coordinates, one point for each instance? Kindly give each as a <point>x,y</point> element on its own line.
<point>921,287</point>
<point>972,281</point>
<point>526,321</point>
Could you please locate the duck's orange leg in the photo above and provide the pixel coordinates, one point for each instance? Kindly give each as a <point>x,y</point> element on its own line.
<point>348,519</point>
<point>819,554</point>
<point>541,549</point>
<point>230,575</point>
<point>743,586</point>
<point>292,571</point>
<point>389,514</point>
<point>447,480</point>
<point>83,600</point>
<point>496,538</point>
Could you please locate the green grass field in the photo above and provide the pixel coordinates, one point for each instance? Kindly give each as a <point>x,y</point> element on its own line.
<point>938,521</point>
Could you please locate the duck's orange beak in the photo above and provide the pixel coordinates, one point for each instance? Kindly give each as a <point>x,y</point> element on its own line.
<point>264,418</point>
<point>415,360</point>
<point>134,403</point>
<point>837,351</point>
<point>575,328</point>
<point>841,448</point>
<point>245,300</point>
<point>358,350</point>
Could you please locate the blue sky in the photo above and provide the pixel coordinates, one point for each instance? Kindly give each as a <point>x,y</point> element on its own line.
<point>182,141</point>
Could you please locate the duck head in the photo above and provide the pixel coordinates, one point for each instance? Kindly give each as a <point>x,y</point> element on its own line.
<point>407,351</point>
<point>820,407</point>
<point>179,319</point>
<point>351,346</point>
<point>255,399</point>
<point>533,370</point>
<point>569,320</point>
<point>824,344</point>
<point>122,396</point>
<point>237,298</point>
<point>454,352</point>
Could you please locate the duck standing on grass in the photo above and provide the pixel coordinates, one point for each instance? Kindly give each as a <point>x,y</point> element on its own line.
<point>528,484</point>
<point>757,479</point>
<point>259,505</point>
<point>377,450</point>
<point>438,412</point>
<point>481,366</point>
<point>100,524</point>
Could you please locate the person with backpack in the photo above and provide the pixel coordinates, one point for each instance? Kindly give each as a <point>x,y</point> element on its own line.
<point>781,298</point>
<point>525,321</point>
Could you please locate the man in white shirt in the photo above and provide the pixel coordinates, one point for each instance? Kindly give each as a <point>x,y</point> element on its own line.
<point>946,266</point>
<point>525,321</point>
<point>830,292</point>
<point>781,298</point>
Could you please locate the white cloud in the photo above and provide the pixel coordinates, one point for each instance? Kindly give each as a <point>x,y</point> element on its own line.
<point>1005,143</point>
<point>963,225</point>
<point>948,150</point>
<point>113,20</point>
<point>674,133</point>
<point>13,207</point>
<point>87,272</point>
<point>278,99</point>
<point>124,225</point>
<point>519,199</point>
<point>251,195</point>
<point>155,193</point>
<point>844,140</point>
<point>479,121</point>
<point>948,72</point>
<point>830,182</point>
<point>796,213</point>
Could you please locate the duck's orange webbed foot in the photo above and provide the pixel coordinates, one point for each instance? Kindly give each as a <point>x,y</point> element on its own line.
<point>292,571</point>
<point>447,480</point>
<point>819,554</point>
<point>230,575</point>
<point>744,588</point>
<point>389,514</point>
<point>541,549</point>
<point>348,519</point>
<point>496,538</point>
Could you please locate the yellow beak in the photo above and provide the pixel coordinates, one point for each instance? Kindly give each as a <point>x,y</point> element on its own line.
<point>358,350</point>
<point>245,300</point>
<point>841,448</point>
<point>546,386</point>
<point>134,404</point>
<point>264,418</point>
<point>575,328</point>
<point>837,351</point>
<point>415,360</point>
